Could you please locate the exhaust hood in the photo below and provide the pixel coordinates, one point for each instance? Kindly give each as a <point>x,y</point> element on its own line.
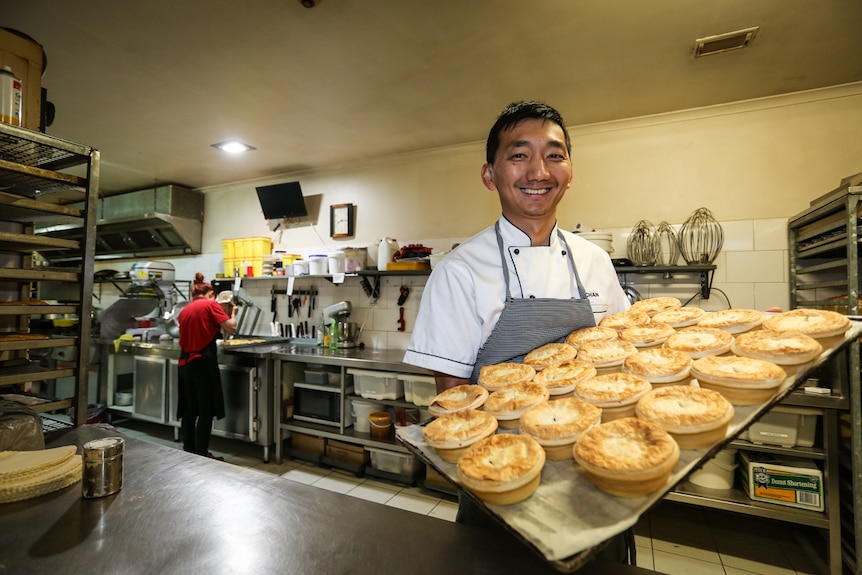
<point>164,221</point>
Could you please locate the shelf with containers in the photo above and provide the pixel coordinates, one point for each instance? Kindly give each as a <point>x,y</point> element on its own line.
<point>45,179</point>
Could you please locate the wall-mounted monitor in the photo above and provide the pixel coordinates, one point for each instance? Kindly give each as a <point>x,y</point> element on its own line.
<point>280,201</point>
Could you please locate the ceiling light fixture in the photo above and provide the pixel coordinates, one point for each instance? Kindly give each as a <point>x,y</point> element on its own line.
<point>233,147</point>
<point>724,42</point>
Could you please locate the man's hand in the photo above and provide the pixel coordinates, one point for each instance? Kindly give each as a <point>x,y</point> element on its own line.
<point>445,381</point>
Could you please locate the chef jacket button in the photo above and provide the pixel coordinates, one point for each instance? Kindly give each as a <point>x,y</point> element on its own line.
<point>517,251</point>
<point>564,252</point>
<point>532,297</point>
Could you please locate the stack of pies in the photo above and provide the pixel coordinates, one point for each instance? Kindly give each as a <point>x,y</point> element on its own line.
<point>628,457</point>
<point>616,393</point>
<point>742,380</point>
<point>694,416</point>
<point>502,469</point>
<point>28,474</point>
<point>654,305</point>
<point>557,425</point>
<point>732,320</point>
<point>680,317</point>
<point>493,377</point>
<point>508,403</point>
<point>549,354</point>
<point>562,378</point>
<point>604,354</point>
<point>654,333</point>
<point>587,334</point>
<point>458,398</point>
<point>621,320</point>
<point>700,341</point>
<point>781,347</point>
<point>816,323</point>
<point>451,434</point>
<point>659,366</point>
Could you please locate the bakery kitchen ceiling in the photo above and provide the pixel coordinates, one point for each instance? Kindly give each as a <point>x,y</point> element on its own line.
<point>153,84</point>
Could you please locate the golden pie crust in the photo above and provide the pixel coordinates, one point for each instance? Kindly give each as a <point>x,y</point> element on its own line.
<point>816,323</point>
<point>562,378</point>
<point>508,403</point>
<point>627,457</point>
<point>659,365</point>
<point>558,424</point>
<point>680,317</point>
<point>502,469</point>
<point>654,333</point>
<point>615,393</point>
<point>654,305</point>
<point>694,416</point>
<point>700,341</point>
<point>742,380</point>
<point>493,377</point>
<point>587,334</point>
<point>458,398</point>
<point>550,354</point>
<point>606,353</point>
<point>621,320</point>
<point>732,320</point>
<point>451,434</point>
<point>19,336</point>
<point>781,347</point>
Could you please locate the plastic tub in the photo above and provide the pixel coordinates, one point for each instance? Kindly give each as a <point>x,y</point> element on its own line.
<point>376,384</point>
<point>361,411</point>
<point>418,389</point>
<point>380,423</point>
<point>716,473</point>
<point>393,462</point>
<point>336,263</point>
<point>317,265</point>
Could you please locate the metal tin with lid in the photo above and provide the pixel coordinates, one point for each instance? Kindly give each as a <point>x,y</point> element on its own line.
<point>103,467</point>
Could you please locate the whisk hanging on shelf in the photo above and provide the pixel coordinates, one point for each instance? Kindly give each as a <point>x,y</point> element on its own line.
<point>700,238</point>
<point>668,245</point>
<point>641,246</point>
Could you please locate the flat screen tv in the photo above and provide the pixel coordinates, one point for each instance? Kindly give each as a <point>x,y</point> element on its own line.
<point>282,201</point>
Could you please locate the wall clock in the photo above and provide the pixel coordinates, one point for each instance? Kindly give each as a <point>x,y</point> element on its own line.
<point>341,220</point>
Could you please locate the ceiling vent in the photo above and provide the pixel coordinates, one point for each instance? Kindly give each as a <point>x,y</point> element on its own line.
<point>724,42</point>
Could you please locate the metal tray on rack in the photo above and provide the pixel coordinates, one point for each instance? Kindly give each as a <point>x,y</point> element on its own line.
<point>568,519</point>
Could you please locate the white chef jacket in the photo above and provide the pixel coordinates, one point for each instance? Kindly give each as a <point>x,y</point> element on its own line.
<point>465,293</point>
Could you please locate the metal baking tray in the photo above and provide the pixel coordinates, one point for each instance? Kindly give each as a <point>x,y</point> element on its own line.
<point>567,520</point>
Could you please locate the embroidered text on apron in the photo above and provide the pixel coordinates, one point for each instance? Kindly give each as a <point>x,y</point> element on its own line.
<point>528,323</point>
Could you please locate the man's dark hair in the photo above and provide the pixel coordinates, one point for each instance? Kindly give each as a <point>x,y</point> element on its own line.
<point>514,114</point>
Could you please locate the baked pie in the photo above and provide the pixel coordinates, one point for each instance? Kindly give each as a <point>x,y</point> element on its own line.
<point>732,320</point>
<point>493,377</point>
<point>451,434</point>
<point>694,416</point>
<point>502,469</point>
<point>562,378</point>
<point>659,365</point>
<point>781,347</point>
<point>654,333</point>
<point>816,323</point>
<point>557,425</point>
<point>654,305</point>
<point>606,353</point>
<point>623,319</point>
<point>628,457</point>
<point>615,393</point>
<point>458,398</point>
<point>680,317</point>
<point>549,354</point>
<point>508,403</point>
<point>700,341</point>
<point>587,334</point>
<point>742,380</point>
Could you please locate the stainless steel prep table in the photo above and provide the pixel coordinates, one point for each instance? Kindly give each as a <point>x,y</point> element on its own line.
<point>180,513</point>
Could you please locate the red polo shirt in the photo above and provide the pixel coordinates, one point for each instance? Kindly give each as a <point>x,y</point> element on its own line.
<point>199,321</point>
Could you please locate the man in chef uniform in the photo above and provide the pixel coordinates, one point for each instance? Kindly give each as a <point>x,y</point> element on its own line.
<point>522,282</point>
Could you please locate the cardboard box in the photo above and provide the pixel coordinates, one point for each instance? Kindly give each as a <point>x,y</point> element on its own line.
<point>346,452</point>
<point>26,58</point>
<point>308,444</point>
<point>783,481</point>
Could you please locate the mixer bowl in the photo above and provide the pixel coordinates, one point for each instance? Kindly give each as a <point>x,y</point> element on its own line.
<point>348,333</point>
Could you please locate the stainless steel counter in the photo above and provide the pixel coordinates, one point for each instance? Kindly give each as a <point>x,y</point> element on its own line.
<point>180,513</point>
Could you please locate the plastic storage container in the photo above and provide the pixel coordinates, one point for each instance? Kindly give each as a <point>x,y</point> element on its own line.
<point>786,426</point>
<point>318,265</point>
<point>418,389</point>
<point>361,411</point>
<point>376,384</point>
<point>393,462</point>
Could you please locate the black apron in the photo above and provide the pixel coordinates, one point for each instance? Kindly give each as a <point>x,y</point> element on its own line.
<point>202,371</point>
<point>528,323</point>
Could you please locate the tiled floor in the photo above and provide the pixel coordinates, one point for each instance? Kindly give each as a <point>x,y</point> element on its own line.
<point>675,539</point>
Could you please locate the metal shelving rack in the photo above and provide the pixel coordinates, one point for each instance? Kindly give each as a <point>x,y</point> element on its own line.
<point>43,178</point>
<point>824,273</point>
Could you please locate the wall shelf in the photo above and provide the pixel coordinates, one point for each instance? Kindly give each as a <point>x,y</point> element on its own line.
<point>704,271</point>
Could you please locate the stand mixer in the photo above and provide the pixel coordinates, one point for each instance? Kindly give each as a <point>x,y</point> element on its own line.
<point>347,333</point>
<point>142,309</point>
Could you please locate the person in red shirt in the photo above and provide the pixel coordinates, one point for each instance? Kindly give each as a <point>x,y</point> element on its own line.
<point>201,399</point>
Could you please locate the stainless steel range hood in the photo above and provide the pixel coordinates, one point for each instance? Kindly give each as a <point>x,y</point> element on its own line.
<point>164,221</point>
